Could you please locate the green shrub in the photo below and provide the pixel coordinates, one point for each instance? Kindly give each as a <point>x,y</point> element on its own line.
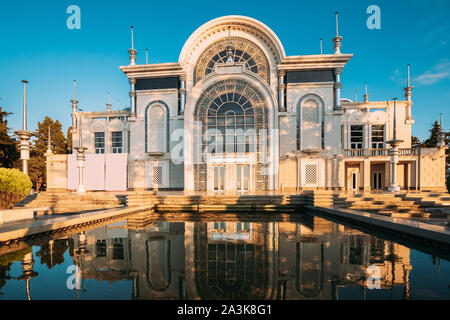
<point>14,186</point>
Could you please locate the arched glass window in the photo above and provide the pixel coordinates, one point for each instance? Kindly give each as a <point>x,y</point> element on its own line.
<point>156,123</point>
<point>310,125</point>
<point>230,124</point>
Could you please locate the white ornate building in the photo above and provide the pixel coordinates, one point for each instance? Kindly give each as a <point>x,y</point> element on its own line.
<point>236,113</point>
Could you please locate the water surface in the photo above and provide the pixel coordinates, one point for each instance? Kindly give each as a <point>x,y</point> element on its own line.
<point>302,257</point>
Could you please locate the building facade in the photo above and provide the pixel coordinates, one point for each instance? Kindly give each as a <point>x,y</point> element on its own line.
<point>236,114</point>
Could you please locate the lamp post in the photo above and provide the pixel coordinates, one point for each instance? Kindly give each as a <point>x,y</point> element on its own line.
<point>394,153</point>
<point>81,157</point>
<point>24,134</point>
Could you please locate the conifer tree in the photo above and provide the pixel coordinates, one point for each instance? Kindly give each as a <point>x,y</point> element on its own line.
<point>8,145</point>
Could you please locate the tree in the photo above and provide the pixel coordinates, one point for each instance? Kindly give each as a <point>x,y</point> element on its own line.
<point>433,140</point>
<point>36,166</point>
<point>415,142</point>
<point>8,144</point>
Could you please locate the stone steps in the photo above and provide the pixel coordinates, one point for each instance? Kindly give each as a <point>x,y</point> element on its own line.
<point>73,202</point>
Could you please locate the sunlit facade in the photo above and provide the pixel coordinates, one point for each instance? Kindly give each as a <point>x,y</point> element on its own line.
<point>235,113</point>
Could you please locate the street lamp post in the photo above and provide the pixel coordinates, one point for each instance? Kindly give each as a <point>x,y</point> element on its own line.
<point>24,134</point>
<point>394,153</point>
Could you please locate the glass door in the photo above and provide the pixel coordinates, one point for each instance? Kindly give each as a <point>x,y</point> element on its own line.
<point>243,177</point>
<point>219,178</point>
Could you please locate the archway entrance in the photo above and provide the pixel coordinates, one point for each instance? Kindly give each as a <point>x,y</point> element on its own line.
<point>231,141</point>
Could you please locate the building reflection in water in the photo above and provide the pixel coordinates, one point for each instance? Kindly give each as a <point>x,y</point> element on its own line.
<point>308,259</point>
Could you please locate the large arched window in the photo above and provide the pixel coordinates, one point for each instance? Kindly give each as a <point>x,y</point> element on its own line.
<point>310,124</point>
<point>157,127</point>
<point>230,116</point>
<point>230,124</point>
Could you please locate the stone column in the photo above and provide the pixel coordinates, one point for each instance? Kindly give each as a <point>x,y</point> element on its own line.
<point>366,174</point>
<point>133,99</point>
<point>182,93</point>
<point>281,90</point>
<point>81,157</point>
<point>394,161</point>
<point>337,88</point>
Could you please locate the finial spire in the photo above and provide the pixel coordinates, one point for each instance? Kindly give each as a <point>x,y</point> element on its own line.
<point>131,51</point>
<point>441,131</point>
<point>408,94</point>
<point>337,24</point>
<point>108,105</point>
<point>366,95</point>
<point>132,42</point>
<point>24,104</point>
<point>408,84</point>
<point>320,45</point>
<point>49,142</point>
<point>146,56</point>
<point>395,120</point>
<point>338,38</point>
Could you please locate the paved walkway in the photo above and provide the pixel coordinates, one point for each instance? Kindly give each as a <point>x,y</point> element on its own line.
<point>428,231</point>
<point>24,228</point>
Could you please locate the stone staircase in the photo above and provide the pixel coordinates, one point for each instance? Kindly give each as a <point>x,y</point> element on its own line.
<point>428,200</point>
<point>65,201</point>
<point>388,204</point>
<point>188,203</point>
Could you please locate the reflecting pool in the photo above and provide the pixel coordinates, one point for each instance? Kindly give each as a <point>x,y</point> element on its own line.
<point>297,257</point>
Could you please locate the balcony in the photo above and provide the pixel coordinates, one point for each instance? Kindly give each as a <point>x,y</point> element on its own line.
<point>378,152</point>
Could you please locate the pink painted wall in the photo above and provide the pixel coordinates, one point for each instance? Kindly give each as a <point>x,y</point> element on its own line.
<point>101,172</point>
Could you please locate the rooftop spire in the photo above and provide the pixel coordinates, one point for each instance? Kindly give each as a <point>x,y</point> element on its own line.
<point>108,105</point>
<point>146,56</point>
<point>49,142</point>
<point>338,38</point>
<point>408,95</point>
<point>131,51</point>
<point>366,96</point>
<point>320,45</point>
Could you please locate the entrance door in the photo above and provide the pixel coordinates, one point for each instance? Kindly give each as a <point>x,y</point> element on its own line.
<point>355,181</point>
<point>376,180</point>
<point>219,178</point>
<point>242,177</point>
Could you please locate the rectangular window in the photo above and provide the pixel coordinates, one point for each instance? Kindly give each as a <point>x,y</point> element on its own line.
<point>118,250</point>
<point>356,136</point>
<point>377,136</point>
<point>116,141</point>
<point>101,248</point>
<point>99,139</point>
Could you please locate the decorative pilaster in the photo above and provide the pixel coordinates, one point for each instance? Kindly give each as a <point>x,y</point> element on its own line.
<point>133,99</point>
<point>337,89</point>
<point>281,91</point>
<point>182,93</point>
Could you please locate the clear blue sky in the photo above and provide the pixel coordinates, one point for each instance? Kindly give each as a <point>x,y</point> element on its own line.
<point>36,45</point>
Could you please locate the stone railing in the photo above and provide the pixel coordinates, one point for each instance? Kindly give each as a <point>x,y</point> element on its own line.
<point>378,152</point>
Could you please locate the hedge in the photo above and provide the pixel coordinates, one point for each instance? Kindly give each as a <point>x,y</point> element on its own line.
<point>14,186</point>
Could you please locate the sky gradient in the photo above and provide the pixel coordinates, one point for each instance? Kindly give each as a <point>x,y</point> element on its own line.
<point>37,46</point>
